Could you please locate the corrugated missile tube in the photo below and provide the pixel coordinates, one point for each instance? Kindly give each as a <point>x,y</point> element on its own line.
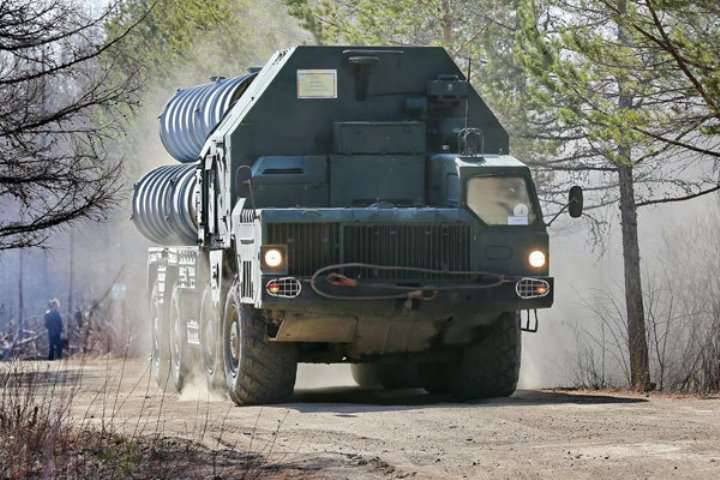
<point>192,114</point>
<point>163,205</point>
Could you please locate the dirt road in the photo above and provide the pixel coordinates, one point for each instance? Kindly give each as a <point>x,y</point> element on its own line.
<point>345,432</point>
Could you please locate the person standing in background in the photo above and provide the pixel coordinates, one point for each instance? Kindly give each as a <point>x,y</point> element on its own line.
<point>54,325</point>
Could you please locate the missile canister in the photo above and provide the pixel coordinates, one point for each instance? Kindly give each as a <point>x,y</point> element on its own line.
<point>192,114</point>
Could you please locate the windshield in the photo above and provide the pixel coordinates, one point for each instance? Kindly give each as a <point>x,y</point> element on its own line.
<point>500,200</point>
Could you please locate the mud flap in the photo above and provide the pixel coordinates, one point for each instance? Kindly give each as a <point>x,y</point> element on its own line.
<point>529,321</point>
<point>216,274</point>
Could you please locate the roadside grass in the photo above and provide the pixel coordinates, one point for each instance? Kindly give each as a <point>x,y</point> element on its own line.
<point>41,437</point>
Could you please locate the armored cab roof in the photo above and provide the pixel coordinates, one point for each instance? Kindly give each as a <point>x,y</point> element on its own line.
<point>490,161</point>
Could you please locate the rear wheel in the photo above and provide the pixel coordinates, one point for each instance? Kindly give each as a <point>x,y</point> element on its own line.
<point>210,342</point>
<point>178,342</point>
<point>390,375</point>
<point>365,375</point>
<point>256,370</point>
<point>489,367</point>
<point>160,348</point>
<point>434,377</point>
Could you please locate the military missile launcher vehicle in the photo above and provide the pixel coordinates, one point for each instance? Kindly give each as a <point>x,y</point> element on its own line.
<point>342,204</point>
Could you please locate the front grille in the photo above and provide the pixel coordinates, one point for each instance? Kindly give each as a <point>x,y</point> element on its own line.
<point>310,245</point>
<point>246,286</point>
<point>444,247</point>
<point>433,247</point>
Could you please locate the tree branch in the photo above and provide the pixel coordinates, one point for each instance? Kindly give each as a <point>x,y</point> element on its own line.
<point>678,199</point>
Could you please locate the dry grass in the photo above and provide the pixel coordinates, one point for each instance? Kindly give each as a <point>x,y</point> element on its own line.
<point>34,427</point>
<point>39,438</point>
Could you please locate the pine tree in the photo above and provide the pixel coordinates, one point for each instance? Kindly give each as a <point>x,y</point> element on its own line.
<point>601,87</point>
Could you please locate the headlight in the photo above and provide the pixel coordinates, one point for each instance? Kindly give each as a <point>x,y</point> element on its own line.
<point>536,259</point>
<point>273,258</point>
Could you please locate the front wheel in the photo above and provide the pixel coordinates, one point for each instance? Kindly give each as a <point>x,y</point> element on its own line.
<point>257,371</point>
<point>489,367</point>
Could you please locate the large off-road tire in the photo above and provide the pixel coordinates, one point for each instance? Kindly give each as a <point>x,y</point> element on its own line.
<point>160,347</point>
<point>490,366</point>
<point>257,371</point>
<point>211,342</point>
<point>365,375</point>
<point>434,377</point>
<point>179,354</point>
<point>390,375</point>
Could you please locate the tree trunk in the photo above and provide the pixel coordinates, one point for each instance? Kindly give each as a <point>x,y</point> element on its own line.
<point>635,311</point>
<point>446,21</point>
<point>72,272</point>
<point>21,295</point>
<point>637,341</point>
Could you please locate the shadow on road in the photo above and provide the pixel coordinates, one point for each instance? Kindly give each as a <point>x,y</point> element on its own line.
<point>348,400</point>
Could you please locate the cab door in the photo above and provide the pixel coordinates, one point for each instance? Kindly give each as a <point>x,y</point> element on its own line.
<point>215,188</point>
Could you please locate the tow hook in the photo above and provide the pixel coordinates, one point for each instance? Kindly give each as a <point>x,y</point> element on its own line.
<point>416,296</point>
<point>340,280</point>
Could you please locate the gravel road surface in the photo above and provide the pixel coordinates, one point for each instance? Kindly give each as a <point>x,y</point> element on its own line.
<point>346,432</point>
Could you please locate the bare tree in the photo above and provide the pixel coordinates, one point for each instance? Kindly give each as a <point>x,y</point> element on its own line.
<point>61,103</point>
<point>602,360</point>
<point>682,299</point>
<point>691,267</point>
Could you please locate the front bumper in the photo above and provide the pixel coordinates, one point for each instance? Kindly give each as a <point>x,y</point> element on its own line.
<point>445,299</point>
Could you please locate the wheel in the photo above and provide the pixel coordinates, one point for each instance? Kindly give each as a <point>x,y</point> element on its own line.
<point>430,376</point>
<point>490,366</point>
<point>390,375</point>
<point>365,375</point>
<point>256,371</point>
<point>210,342</point>
<point>434,377</point>
<point>160,348</point>
<point>179,364</point>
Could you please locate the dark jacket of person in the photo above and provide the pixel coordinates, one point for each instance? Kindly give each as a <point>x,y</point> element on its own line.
<point>53,322</point>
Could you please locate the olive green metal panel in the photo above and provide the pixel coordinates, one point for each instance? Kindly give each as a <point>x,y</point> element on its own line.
<point>364,180</point>
<point>353,138</point>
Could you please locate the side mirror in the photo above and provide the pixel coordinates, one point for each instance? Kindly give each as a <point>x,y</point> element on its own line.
<point>575,201</point>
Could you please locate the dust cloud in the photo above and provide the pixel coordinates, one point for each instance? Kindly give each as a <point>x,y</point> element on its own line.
<point>196,390</point>
<point>584,277</point>
<point>143,150</point>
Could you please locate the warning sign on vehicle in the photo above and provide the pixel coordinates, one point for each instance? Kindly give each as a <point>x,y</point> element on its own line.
<point>317,83</point>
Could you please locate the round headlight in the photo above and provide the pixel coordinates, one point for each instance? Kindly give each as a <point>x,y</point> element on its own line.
<point>536,259</point>
<point>273,258</point>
